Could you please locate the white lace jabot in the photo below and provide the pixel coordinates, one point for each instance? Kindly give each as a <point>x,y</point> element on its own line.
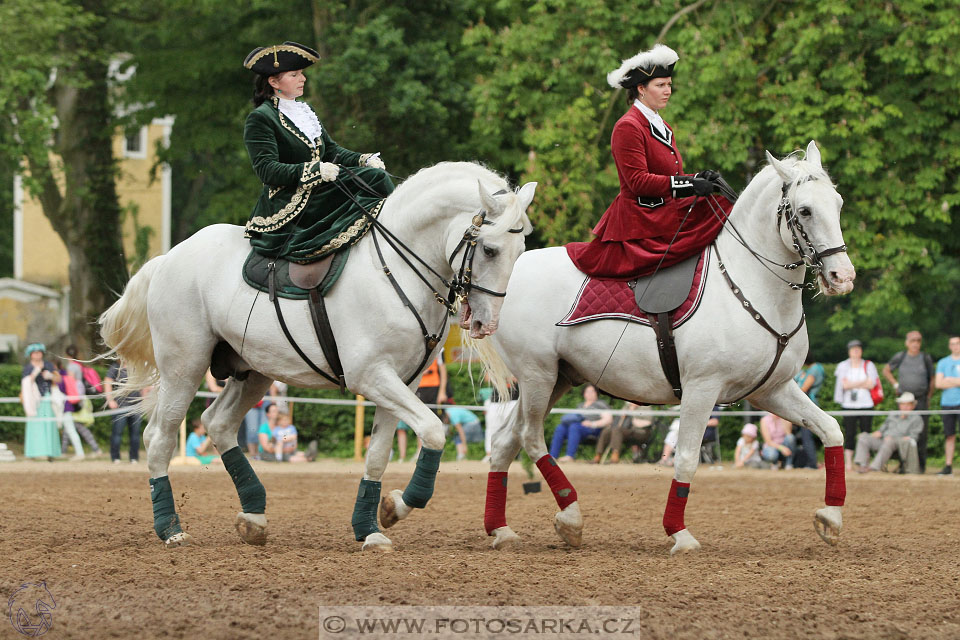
<point>302,116</point>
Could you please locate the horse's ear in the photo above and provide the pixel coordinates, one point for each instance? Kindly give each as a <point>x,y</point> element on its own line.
<point>488,202</point>
<point>785,173</point>
<point>813,154</point>
<point>525,195</point>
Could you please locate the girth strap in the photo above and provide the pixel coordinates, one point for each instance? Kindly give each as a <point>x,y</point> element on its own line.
<point>662,324</point>
<point>293,343</point>
<point>321,324</point>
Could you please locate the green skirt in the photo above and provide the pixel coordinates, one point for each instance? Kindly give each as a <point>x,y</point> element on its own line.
<point>42,439</point>
<point>330,221</point>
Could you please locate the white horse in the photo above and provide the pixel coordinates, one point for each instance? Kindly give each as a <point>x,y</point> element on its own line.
<point>182,305</point>
<point>723,350</point>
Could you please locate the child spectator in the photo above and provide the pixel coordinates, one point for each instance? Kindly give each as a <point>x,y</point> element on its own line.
<point>467,425</point>
<point>198,444</point>
<point>748,448</point>
<point>778,441</point>
<point>266,450</point>
<point>71,391</point>
<point>285,442</point>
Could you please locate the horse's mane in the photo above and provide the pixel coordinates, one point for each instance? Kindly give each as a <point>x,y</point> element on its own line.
<point>453,184</point>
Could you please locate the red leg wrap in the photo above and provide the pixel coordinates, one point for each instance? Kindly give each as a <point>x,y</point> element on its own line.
<point>495,515</point>
<point>563,491</point>
<point>676,503</point>
<point>836,483</point>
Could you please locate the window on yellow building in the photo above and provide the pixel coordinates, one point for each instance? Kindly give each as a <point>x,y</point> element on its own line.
<point>135,144</point>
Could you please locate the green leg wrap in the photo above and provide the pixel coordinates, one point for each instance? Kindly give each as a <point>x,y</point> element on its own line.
<point>166,522</point>
<point>253,497</point>
<point>364,519</point>
<point>420,490</point>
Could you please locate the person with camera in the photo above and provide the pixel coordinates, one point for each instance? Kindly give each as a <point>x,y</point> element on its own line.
<point>855,378</point>
<point>39,377</point>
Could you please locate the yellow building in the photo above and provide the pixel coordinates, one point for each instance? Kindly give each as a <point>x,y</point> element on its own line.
<point>41,282</point>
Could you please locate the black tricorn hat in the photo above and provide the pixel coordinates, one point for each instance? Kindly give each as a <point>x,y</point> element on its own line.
<point>278,58</point>
<point>646,65</point>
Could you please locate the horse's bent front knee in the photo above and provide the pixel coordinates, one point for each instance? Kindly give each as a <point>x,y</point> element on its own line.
<point>831,434</point>
<point>685,465</point>
<point>433,435</point>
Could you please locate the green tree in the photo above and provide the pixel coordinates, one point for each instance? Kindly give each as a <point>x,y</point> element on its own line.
<point>55,55</point>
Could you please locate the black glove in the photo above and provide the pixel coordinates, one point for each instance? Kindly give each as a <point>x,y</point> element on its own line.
<point>709,174</point>
<point>686,186</point>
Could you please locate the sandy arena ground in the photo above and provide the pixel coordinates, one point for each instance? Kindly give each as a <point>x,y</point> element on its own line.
<point>86,529</point>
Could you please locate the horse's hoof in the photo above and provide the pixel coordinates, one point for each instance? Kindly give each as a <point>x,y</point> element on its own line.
<point>178,540</point>
<point>827,522</point>
<point>505,538</point>
<point>252,528</point>
<point>377,542</point>
<point>569,525</point>
<point>393,509</point>
<point>684,542</point>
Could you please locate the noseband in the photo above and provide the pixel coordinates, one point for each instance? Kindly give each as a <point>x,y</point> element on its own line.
<point>462,283</point>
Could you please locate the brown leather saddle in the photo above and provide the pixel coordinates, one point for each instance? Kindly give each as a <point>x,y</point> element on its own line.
<point>659,295</point>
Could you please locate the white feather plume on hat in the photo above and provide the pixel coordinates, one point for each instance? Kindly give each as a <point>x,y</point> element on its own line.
<point>660,56</point>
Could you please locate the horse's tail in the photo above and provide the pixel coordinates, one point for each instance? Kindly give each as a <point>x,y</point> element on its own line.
<point>494,368</point>
<point>125,330</point>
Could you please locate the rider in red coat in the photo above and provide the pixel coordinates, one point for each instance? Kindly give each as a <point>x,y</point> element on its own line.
<point>661,216</point>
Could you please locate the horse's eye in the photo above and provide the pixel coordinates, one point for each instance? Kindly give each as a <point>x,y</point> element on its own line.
<point>490,252</point>
<point>805,212</point>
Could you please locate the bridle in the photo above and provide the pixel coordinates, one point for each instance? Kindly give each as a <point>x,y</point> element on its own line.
<point>809,255</point>
<point>458,287</point>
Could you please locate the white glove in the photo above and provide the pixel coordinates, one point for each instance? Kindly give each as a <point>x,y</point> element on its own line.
<point>328,171</point>
<point>376,163</point>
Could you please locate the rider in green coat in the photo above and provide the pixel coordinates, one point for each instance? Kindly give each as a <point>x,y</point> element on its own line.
<point>314,191</point>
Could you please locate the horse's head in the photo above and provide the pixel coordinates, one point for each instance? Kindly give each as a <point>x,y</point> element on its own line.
<point>809,219</point>
<point>487,265</point>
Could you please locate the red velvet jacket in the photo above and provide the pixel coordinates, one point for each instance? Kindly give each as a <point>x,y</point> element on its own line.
<point>637,228</point>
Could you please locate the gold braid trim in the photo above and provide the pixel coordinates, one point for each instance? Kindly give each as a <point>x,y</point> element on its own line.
<point>289,211</point>
<point>267,51</point>
<point>348,236</point>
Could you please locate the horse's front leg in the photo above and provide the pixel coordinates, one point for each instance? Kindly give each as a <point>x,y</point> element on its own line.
<point>790,403</point>
<point>223,419</point>
<point>391,395</point>
<point>364,519</point>
<point>694,414</point>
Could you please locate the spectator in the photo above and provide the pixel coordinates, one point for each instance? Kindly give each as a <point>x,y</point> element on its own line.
<point>285,442</point>
<point>497,412</point>
<point>126,420</point>
<point>633,430</point>
<point>265,449</point>
<point>948,379</point>
<point>670,443</point>
<point>574,427</point>
<point>810,380</point>
<point>897,433</point>
<point>36,383</point>
<point>198,444</point>
<point>252,420</point>
<point>917,374</point>
<point>85,407</point>
<point>432,390</point>
<point>71,391</point>
<point>747,453</point>
<point>779,444</point>
<point>855,378</point>
<point>467,427</point>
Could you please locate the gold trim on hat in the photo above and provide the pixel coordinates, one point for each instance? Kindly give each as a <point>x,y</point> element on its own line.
<point>276,48</point>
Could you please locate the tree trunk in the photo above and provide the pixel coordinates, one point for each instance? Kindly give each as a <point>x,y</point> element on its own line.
<point>85,211</point>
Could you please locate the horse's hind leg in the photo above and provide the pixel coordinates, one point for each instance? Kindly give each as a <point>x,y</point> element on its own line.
<point>790,403</point>
<point>364,520</point>
<point>222,420</point>
<point>174,394</point>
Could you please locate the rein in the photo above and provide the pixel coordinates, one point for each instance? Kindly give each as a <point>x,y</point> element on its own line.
<point>458,287</point>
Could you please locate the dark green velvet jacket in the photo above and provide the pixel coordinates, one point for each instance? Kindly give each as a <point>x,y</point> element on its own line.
<point>298,216</point>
